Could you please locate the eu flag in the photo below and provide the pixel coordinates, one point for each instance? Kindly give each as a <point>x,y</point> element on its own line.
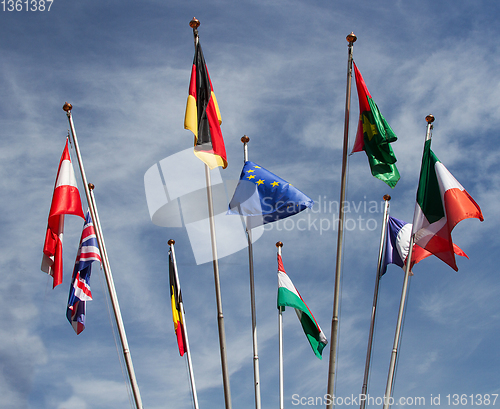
<point>264,197</point>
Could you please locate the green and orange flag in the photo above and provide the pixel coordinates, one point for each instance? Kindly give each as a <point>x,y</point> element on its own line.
<point>202,115</point>
<point>374,136</point>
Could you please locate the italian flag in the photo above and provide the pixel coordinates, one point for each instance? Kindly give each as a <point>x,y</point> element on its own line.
<point>288,296</point>
<point>442,202</point>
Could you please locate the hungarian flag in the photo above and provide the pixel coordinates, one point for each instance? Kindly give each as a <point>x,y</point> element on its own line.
<point>442,202</point>
<point>176,300</point>
<point>203,116</point>
<point>79,292</point>
<point>65,200</point>
<point>374,136</point>
<point>288,296</point>
<point>397,246</point>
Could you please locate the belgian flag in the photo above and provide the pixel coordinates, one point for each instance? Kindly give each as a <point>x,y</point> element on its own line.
<point>203,116</point>
<point>176,300</point>
<point>374,136</point>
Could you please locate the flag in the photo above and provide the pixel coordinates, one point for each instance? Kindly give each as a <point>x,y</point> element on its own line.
<point>65,200</point>
<point>442,202</point>
<point>398,243</point>
<point>265,197</point>
<point>202,115</point>
<point>79,292</point>
<point>374,136</point>
<point>288,296</point>
<point>176,300</point>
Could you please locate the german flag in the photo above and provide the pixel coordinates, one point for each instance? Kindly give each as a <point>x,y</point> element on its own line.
<point>203,116</point>
<point>176,300</point>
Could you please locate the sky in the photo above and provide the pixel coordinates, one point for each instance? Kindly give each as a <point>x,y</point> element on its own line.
<point>278,70</point>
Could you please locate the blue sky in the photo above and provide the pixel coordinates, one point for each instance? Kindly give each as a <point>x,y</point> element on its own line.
<point>278,69</point>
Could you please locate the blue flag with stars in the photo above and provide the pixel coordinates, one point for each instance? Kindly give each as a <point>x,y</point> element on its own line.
<point>265,198</point>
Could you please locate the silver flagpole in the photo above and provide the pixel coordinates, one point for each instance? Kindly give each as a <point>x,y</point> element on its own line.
<point>404,293</point>
<point>183,317</point>
<point>279,245</point>
<point>383,235</point>
<point>256,375</point>
<point>351,38</point>
<point>194,24</point>
<point>105,264</point>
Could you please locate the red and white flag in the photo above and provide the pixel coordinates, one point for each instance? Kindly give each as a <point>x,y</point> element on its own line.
<point>65,200</point>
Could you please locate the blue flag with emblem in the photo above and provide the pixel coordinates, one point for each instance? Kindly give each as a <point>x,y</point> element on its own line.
<point>265,198</point>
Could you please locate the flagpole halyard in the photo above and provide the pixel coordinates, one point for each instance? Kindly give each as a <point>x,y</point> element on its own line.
<point>105,263</point>
<point>404,294</point>
<point>351,38</point>
<point>279,245</point>
<point>383,235</point>
<point>256,372</point>
<point>171,243</point>
<point>194,24</point>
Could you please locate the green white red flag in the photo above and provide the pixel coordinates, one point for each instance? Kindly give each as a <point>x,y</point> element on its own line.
<point>442,202</point>
<point>288,296</point>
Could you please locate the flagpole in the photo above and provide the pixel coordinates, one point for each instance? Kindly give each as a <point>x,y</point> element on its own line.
<point>194,24</point>
<point>183,317</point>
<point>351,38</point>
<point>105,264</point>
<point>383,235</point>
<point>404,293</point>
<point>279,245</point>
<point>256,373</point>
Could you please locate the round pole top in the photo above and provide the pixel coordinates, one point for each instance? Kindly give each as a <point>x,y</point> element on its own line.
<point>351,38</point>
<point>387,197</point>
<point>429,118</point>
<point>67,107</point>
<point>91,186</point>
<point>279,244</point>
<point>245,139</point>
<point>170,242</point>
<point>194,23</point>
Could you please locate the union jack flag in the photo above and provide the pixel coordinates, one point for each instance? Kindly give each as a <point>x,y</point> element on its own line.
<point>79,292</point>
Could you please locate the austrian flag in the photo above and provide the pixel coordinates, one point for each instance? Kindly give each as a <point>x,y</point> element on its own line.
<point>65,200</point>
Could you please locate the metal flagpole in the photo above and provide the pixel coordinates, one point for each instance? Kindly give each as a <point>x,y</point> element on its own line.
<point>183,317</point>
<point>279,245</point>
<point>351,38</point>
<point>194,24</point>
<point>256,375</point>
<point>105,264</point>
<point>404,293</point>
<point>383,235</point>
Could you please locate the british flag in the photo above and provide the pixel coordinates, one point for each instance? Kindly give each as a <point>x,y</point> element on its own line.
<point>79,292</point>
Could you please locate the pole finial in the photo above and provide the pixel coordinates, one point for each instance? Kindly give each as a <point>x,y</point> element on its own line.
<point>429,118</point>
<point>279,244</point>
<point>245,139</point>
<point>67,107</point>
<point>91,186</point>
<point>194,23</point>
<point>170,242</point>
<point>351,38</point>
<point>387,197</point>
